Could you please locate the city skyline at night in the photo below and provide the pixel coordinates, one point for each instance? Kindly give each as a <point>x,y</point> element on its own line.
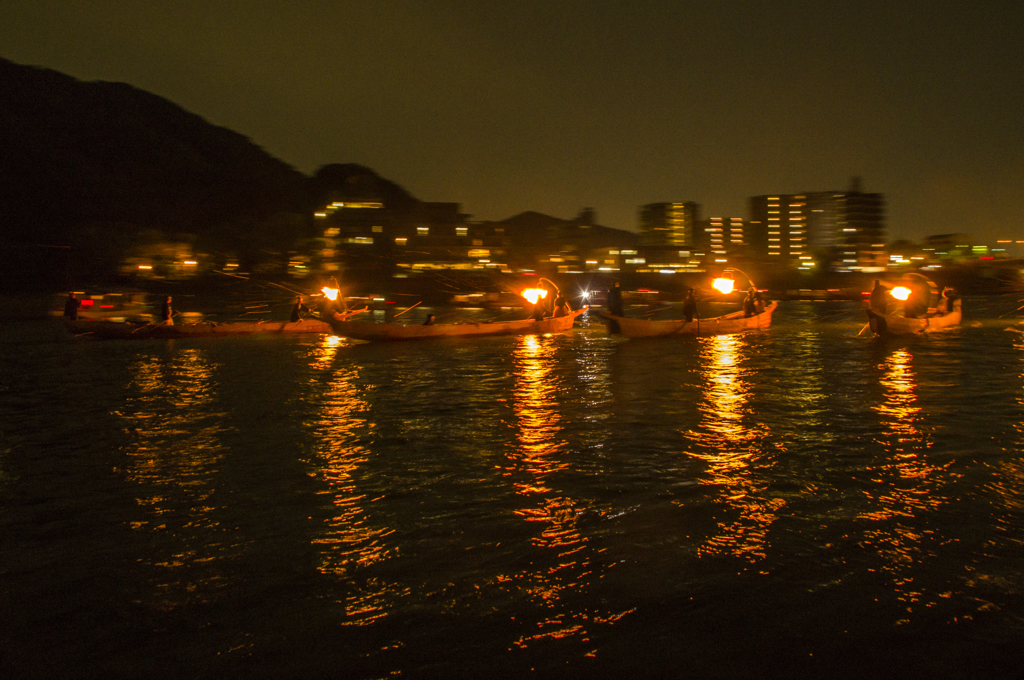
<point>551,107</point>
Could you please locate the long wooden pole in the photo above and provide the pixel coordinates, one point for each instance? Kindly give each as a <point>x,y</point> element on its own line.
<point>407,309</point>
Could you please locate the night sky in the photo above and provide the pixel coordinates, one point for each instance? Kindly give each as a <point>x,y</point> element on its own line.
<point>553,105</point>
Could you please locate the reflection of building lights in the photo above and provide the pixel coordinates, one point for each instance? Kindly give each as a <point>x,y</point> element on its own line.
<point>189,263</point>
<point>144,266</point>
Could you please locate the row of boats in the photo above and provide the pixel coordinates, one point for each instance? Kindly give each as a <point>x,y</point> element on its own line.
<point>346,324</point>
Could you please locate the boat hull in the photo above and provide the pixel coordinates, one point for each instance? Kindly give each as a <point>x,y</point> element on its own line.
<point>383,332</point>
<point>893,324</point>
<point>111,330</point>
<point>721,325</point>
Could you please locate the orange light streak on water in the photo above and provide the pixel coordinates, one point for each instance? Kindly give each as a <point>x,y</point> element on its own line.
<point>732,450</point>
<point>537,458</point>
<point>350,540</point>
<point>176,485</point>
<point>912,485</point>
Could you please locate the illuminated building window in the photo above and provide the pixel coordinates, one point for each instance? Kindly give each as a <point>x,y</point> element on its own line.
<point>377,229</point>
<point>461,231</point>
<point>422,231</point>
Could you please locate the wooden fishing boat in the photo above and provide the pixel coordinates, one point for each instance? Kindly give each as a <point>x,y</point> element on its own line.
<point>111,330</point>
<point>386,332</point>
<point>897,324</point>
<point>719,325</point>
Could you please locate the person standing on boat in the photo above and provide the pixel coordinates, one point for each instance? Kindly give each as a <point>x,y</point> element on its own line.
<point>750,302</point>
<point>878,300</point>
<point>71,306</point>
<point>429,321</point>
<point>689,306</point>
<point>615,300</point>
<point>561,306</point>
<point>166,314</point>
<point>916,303</point>
<point>298,309</point>
<point>949,298</point>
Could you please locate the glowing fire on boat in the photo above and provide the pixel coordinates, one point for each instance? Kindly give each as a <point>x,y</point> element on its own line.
<point>900,292</point>
<point>534,294</point>
<point>724,286</point>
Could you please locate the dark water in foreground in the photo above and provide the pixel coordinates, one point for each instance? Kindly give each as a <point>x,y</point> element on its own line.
<point>797,503</point>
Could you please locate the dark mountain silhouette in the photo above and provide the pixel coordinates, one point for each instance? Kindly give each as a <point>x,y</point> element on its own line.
<point>77,152</point>
<point>351,182</point>
<point>534,229</point>
<point>87,169</point>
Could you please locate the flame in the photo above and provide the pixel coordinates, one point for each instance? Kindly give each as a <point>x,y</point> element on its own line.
<point>331,293</point>
<point>534,294</point>
<point>723,285</point>
<point>900,293</point>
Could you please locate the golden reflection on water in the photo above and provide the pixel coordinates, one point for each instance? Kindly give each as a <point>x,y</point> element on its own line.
<point>540,442</point>
<point>174,460</point>
<point>535,405</point>
<point>907,484</point>
<point>326,350</point>
<point>349,540</point>
<point>733,451</point>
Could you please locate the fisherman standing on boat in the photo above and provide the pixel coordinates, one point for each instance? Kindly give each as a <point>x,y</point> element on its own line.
<point>878,300</point>
<point>429,321</point>
<point>299,309</point>
<point>165,312</point>
<point>561,306</point>
<point>949,297</point>
<point>689,306</point>
<point>615,300</point>
<point>750,302</point>
<point>71,306</point>
<point>916,303</point>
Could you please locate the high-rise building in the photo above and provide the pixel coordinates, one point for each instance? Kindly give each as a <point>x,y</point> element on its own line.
<point>723,236</point>
<point>793,228</point>
<point>670,224</point>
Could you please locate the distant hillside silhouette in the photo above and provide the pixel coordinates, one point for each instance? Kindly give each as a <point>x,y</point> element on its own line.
<point>86,168</point>
<point>77,152</point>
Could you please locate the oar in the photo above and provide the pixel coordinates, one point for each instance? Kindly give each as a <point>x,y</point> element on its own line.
<point>406,310</point>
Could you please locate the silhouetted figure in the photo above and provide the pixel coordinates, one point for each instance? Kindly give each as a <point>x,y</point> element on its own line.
<point>750,302</point>
<point>689,306</point>
<point>538,310</point>
<point>298,310</point>
<point>878,300</point>
<point>166,313</point>
<point>916,303</point>
<point>561,306</point>
<point>615,300</point>
<point>71,306</point>
<point>949,298</point>
<point>429,321</point>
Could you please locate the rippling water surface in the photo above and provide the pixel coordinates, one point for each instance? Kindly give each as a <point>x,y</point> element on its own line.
<point>803,502</point>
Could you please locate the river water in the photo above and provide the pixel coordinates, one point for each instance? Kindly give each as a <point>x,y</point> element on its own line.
<point>801,502</point>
